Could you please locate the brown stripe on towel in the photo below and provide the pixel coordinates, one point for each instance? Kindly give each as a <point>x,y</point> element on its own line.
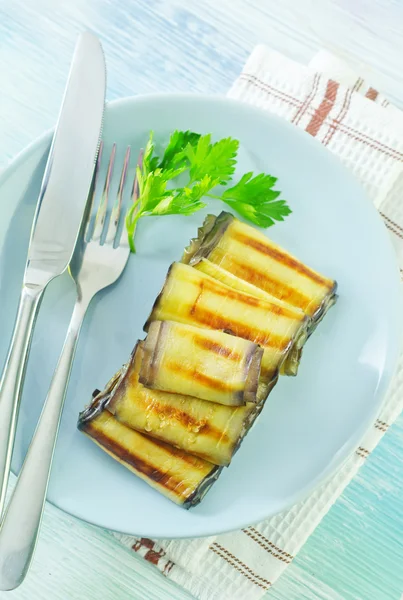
<point>324,108</point>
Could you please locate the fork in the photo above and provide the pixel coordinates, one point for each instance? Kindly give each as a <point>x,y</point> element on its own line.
<point>95,266</point>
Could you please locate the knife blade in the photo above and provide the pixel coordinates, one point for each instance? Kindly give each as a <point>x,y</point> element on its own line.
<point>58,217</point>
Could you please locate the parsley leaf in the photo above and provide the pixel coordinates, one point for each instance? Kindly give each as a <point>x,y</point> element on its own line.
<point>262,216</point>
<point>254,199</point>
<point>186,200</point>
<point>174,155</point>
<point>153,190</point>
<point>256,190</point>
<point>206,165</point>
<point>150,162</point>
<point>216,160</point>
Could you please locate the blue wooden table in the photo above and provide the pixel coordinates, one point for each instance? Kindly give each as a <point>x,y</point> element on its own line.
<point>200,45</point>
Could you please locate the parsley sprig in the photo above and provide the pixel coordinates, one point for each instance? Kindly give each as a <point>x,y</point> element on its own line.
<point>205,165</point>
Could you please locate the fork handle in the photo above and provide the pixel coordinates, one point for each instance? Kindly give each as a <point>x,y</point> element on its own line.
<point>12,380</point>
<point>20,527</point>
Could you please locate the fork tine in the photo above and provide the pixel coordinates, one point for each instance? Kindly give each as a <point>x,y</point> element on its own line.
<point>94,189</point>
<point>103,205</point>
<point>117,208</point>
<point>123,239</point>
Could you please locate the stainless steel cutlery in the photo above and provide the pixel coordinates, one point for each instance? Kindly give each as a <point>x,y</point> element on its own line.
<point>63,196</point>
<point>57,242</point>
<point>96,264</point>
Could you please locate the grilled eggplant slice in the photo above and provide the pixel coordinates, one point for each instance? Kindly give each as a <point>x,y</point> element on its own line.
<point>206,429</point>
<point>291,363</point>
<point>181,477</point>
<point>192,297</point>
<point>206,266</point>
<point>210,365</point>
<point>250,255</point>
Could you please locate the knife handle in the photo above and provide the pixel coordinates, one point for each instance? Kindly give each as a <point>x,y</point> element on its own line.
<point>20,526</point>
<point>12,380</point>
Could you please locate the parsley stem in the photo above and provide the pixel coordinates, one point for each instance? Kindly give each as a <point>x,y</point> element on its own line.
<point>132,244</point>
<point>131,224</point>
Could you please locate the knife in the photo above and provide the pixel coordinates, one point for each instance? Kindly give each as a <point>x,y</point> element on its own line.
<point>59,214</point>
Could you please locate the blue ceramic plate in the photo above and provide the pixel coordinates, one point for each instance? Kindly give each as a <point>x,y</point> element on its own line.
<point>310,423</point>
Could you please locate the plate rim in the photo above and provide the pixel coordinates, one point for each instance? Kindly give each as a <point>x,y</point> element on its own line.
<point>344,453</point>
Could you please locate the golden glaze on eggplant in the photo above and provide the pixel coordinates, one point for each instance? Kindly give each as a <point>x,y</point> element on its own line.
<point>207,364</point>
<point>291,363</point>
<point>192,297</point>
<point>214,270</point>
<point>179,476</point>
<point>250,255</point>
<point>206,429</point>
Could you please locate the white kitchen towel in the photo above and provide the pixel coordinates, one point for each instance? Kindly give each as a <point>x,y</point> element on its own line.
<point>330,102</point>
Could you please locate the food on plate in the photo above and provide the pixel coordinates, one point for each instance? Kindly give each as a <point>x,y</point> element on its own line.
<point>291,363</point>
<point>202,165</point>
<point>249,255</point>
<point>231,317</point>
<point>210,365</point>
<point>214,270</point>
<point>181,477</point>
<point>192,297</point>
<point>209,430</point>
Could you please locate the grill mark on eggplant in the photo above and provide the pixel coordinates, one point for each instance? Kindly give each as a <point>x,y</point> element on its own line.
<point>214,321</point>
<point>281,257</point>
<point>169,412</point>
<point>177,486</point>
<point>194,374</point>
<point>151,471</point>
<point>224,291</point>
<point>215,347</point>
<point>182,417</point>
<point>227,292</point>
<point>270,285</point>
<point>178,452</point>
<point>224,276</point>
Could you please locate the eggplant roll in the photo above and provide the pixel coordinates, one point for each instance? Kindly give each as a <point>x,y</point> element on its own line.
<point>192,297</point>
<point>206,266</point>
<point>250,255</point>
<point>291,363</point>
<point>181,477</point>
<point>210,365</point>
<point>206,429</point>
